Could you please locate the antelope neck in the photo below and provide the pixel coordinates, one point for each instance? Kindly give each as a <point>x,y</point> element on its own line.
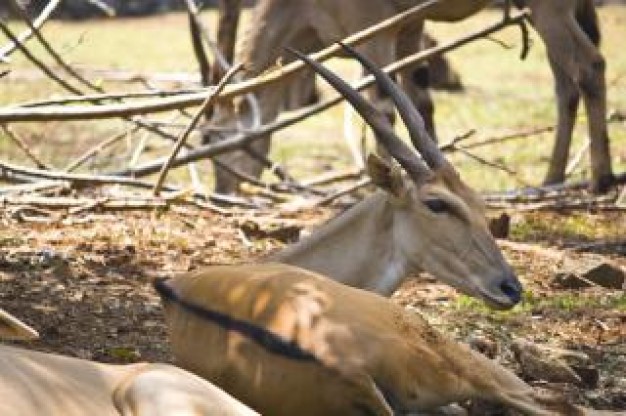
<point>357,248</point>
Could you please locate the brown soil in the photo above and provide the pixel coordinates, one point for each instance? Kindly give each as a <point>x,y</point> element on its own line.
<point>84,283</point>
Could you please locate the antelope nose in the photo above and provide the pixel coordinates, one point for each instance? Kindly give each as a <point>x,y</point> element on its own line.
<point>512,289</point>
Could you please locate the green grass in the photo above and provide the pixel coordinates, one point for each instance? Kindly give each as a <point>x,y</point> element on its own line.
<point>503,95</point>
<point>557,301</point>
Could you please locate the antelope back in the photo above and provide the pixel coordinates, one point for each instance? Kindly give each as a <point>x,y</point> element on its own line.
<point>288,341</point>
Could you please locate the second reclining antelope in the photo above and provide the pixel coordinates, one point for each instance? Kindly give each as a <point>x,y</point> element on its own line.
<point>33,383</point>
<point>288,341</point>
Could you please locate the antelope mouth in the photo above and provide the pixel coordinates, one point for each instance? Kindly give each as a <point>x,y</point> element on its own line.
<point>508,295</point>
<point>500,303</point>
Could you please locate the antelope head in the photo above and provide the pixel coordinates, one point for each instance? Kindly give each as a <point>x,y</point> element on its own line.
<point>12,328</point>
<point>454,243</point>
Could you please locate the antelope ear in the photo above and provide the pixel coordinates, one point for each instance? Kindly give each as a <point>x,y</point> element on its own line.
<point>12,328</point>
<point>386,176</point>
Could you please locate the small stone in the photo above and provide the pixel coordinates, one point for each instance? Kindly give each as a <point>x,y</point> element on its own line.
<point>486,346</point>
<point>569,280</point>
<point>500,226</point>
<point>589,375</point>
<point>551,364</point>
<point>606,275</point>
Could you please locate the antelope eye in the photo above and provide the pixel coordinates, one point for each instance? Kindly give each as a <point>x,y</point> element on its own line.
<point>438,206</point>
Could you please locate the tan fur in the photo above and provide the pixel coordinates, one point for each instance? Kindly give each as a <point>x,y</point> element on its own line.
<point>308,25</point>
<point>34,383</point>
<point>391,234</point>
<point>366,354</point>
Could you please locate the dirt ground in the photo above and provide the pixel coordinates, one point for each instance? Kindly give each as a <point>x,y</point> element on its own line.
<point>85,283</point>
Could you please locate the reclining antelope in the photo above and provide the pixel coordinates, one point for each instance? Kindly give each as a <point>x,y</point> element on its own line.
<point>33,383</point>
<point>569,29</point>
<point>287,341</point>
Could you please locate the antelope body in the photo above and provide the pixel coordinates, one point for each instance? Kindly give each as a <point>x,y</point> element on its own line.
<point>569,29</point>
<point>34,383</point>
<point>287,341</point>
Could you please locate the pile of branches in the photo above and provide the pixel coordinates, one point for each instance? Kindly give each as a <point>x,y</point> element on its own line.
<point>33,189</point>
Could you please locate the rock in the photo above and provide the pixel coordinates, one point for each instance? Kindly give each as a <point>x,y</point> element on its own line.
<point>500,226</point>
<point>551,364</point>
<point>568,280</point>
<point>486,346</point>
<point>589,376</point>
<point>605,274</point>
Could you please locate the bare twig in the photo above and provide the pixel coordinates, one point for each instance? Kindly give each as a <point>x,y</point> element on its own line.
<point>507,137</point>
<point>603,203</point>
<point>98,98</point>
<point>79,179</point>
<point>577,159</point>
<point>196,118</point>
<point>44,68</point>
<point>37,187</point>
<point>332,177</point>
<point>108,111</point>
<point>51,51</point>
<point>38,63</point>
<point>228,22</point>
<point>38,23</point>
<point>72,166</point>
<point>350,189</point>
<point>452,145</point>
<point>24,147</point>
<point>195,29</point>
<point>538,193</point>
<point>245,138</point>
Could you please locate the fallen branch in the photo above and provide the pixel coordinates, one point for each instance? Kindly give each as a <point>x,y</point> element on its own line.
<point>44,68</point>
<point>228,21</point>
<point>196,30</point>
<point>48,48</point>
<point>78,205</point>
<point>78,162</point>
<point>38,63</point>
<point>98,98</point>
<point>24,148</point>
<point>24,36</point>
<point>7,169</point>
<point>577,159</point>
<point>563,204</point>
<point>507,137</point>
<point>194,121</point>
<point>332,177</point>
<point>547,191</point>
<point>350,189</point>
<point>173,103</point>
<point>37,187</point>
<point>245,138</point>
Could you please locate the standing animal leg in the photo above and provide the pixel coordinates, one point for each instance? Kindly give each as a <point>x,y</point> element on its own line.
<point>415,79</point>
<point>571,34</point>
<point>567,97</point>
<point>263,45</point>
